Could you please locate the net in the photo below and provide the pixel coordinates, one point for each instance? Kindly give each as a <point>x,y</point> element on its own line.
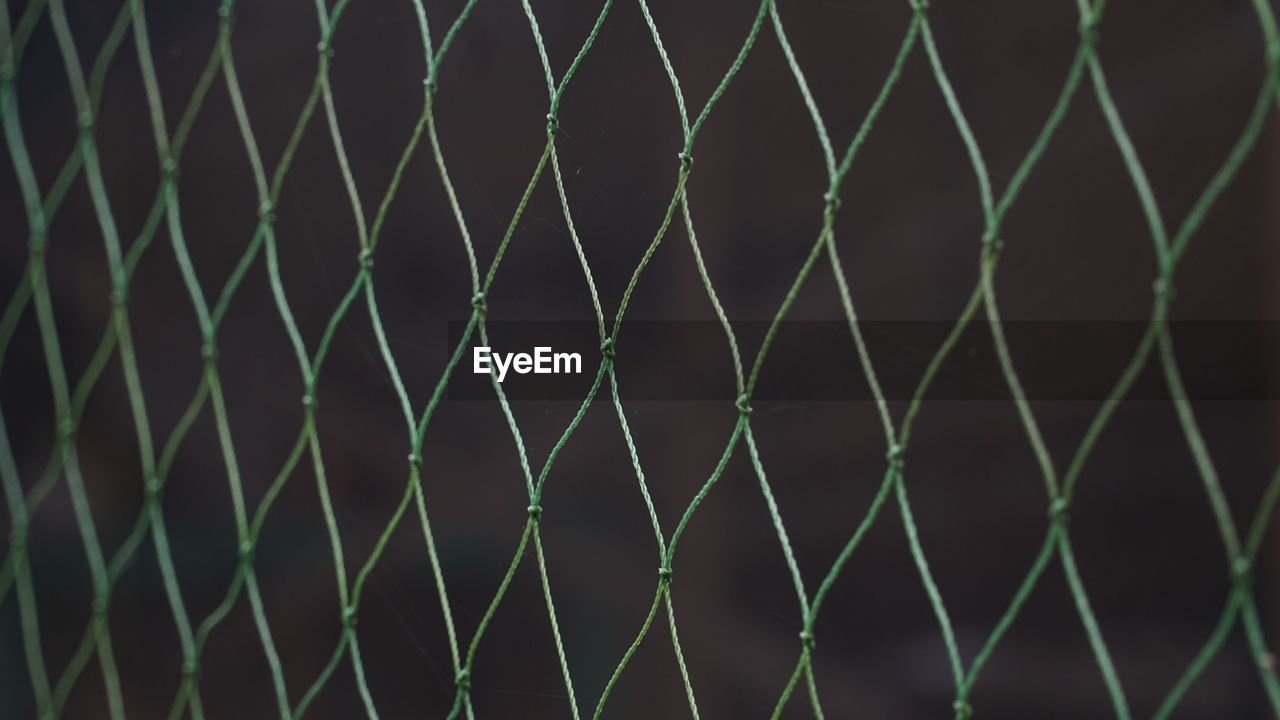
<point>51,687</point>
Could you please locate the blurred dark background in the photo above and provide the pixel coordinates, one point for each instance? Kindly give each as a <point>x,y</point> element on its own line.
<point>1184,75</point>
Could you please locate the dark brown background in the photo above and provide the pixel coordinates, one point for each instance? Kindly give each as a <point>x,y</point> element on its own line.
<point>1184,75</point>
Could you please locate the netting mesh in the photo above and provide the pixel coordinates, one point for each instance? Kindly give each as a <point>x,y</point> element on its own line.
<point>52,686</point>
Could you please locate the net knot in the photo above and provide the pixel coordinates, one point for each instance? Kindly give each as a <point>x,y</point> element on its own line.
<point>664,574</point>
<point>431,85</point>
<point>1058,510</point>
<point>246,551</point>
<point>743,404</point>
<point>66,429</point>
<point>1240,569</point>
<point>267,211</point>
<point>607,348</point>
<point>349,616</point>
<point>807,639</point>
<point>153,487</point>
<point>117,298</point>
<point>832,201</point>
<point>169,169</point>
<point>478,302</point>
<point>225,13</point>
<point>553,123</point>
<point>365,258</point>
<point>535,511</point>
<point>415,460</point>
<point>99,605</point>
<point>324,48</point>
<point>309,401</point>
<point>963,709</point>
<point>1089,28</point>
<point>85,121</point>
<point>18,537</point>
<point>992,245</point>
<point>190,668</point>
<point>463,679</point>
<point>686,161</point>
<point>894,456</point>
<point>209,352</point>
<point>1163,289</point>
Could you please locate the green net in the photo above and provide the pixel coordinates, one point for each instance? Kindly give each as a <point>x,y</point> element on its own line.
<point>51,686</point>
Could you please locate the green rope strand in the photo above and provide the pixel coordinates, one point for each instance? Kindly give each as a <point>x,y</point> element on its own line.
<point>16,559</point>
<point>57,372</point>
<point>87,383</point>
<point>1058,535</point>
